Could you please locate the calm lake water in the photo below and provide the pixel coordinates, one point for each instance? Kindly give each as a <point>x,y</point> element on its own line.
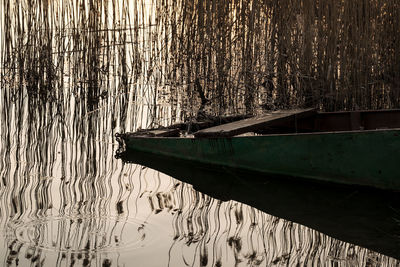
<point>68,85</point>
<point>67,201</point>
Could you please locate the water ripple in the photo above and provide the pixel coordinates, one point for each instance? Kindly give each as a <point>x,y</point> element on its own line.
<point>83,234</point>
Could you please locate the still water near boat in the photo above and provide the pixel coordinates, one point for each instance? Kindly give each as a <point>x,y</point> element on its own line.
<point>66,201</point>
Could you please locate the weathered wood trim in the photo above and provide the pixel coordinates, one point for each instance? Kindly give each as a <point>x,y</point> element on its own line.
<point>257,123</point>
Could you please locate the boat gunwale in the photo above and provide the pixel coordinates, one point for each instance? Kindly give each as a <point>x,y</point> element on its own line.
<point>131,135</point>
<point>152,144</point>
<point>360,111</point>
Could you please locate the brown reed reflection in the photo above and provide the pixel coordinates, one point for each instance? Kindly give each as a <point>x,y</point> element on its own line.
<point>58,192</point>
<point>72,198</point>
<point>211,232</point>
<point>233,234</point>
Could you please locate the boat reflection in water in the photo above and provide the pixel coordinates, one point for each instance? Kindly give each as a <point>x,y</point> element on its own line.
<point>362,216</point>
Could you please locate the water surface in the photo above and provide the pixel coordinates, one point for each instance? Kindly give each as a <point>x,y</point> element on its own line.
<point>66,201</point>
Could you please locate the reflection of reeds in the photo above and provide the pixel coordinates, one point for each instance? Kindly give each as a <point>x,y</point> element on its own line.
<point>66,77</point>
<point>234,234</point>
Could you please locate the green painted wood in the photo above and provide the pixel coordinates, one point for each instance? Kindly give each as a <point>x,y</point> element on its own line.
<point>369,158</point>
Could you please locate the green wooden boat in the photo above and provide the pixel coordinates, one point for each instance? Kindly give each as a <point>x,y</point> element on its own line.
<point>357,148</point>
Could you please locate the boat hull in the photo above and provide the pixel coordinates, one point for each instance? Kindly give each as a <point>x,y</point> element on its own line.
<point>368,158</point>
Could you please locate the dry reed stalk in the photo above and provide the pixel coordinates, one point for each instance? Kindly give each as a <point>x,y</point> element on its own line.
<point>330,54</point>
<point>336,55</point>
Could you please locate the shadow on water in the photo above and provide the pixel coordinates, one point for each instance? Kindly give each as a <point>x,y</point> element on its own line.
<point>363,216</point>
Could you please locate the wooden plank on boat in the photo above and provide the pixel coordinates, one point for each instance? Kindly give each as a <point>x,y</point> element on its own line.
<point>194,126</point>
<point>255,123</point>
<point>159,133</point>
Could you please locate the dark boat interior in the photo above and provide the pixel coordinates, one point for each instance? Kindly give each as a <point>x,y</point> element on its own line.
<point>282,122</point>
<point>351,121</point>
<point>335,122</point>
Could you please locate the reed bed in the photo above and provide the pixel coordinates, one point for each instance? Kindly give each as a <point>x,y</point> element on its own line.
<point>156,58</point>
<point>89,54</point>
<point>336,55</point>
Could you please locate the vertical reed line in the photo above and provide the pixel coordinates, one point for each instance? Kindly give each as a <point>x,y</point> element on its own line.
<point>330,54</point>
